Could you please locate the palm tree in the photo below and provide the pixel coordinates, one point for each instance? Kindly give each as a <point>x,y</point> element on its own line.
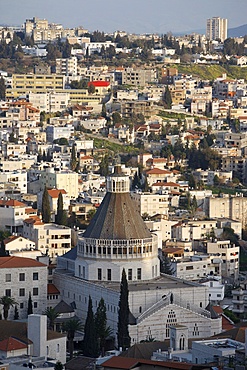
<point>7,302</point>
<point>52,315</point>
<point>71,326</point>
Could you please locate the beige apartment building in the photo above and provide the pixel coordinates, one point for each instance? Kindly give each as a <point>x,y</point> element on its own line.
<point>237,165</point>
<point>151,204</point>
<point>216,29</point>
<point>67,180</point>
<point>51,239</point>
<point>130,108</point>
<point>229,254</point>
<point>233,207</point>
<point>138,77</point>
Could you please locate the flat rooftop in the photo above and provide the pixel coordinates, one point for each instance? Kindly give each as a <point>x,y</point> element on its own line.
<point>166,282</point>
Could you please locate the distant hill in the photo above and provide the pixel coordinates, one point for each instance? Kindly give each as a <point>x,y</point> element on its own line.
<point>237,31</point>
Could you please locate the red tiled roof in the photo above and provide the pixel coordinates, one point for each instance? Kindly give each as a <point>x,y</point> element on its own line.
<point>54,193</point>
<point>226,322</point>
<point>11,239</point>
<point>119,362</point>
<point>166,184</point>
<point>99,83</point>
<point>30,210</point>
<point>35,220</point>
<point>52,289</point>
<point>12,203</point>
<point>16,262</point>
<point>11,344</point>
<point>86,157</point>
<point>157,171</point>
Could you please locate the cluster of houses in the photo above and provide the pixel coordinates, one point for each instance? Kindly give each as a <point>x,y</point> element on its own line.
<point>179,260</point>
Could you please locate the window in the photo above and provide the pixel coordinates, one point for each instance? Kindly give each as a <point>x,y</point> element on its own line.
<point>21,292</point>
<point>8,278</point>
<point>21,305</point>
<point>35,291</point>
<point>129,274</point>
<point>139,274</point>
<point>99,274</point>
<point>8,292</point>
<point>21,276</point>
<point>109,274</point>
<point>35,304</point>
<point>35,276</point>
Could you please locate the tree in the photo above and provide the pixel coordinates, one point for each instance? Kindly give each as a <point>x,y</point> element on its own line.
<point>7,302</point>
<point>103,111</point>
<point>116,117</point>
<point>90,342</point>
<point>123,314</point>
<point>16,314</point>
<point>90,214</point>
<point>61,218</point>
<point>91,88</point>
<point>71,326</point>
<point>46,209</point>
<point>136,182</point>
<point>61,141</point>
<point>103,166</point>
<point>30,305</point>
<point>216,180</point>
<point>167,98</point>
<point>52,315</point>
<point>2,89</point>
<point>12,138</point>
<point>73,159</point>
<point>102,330</point>
<point>193,205</point>
<point>165,265</point>
<point>58,366</point>
<point>145,186</point>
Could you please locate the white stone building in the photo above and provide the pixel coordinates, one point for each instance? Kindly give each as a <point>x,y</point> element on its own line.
<point>13,213</point>
<point>67,180</point>
<point>18,178</point>
<point>229,254</point>
<point>53,239</point>
<point>20,277</point>
<point>150,203</point>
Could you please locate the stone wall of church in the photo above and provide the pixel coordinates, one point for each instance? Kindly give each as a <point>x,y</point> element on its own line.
<point>157,325</point>
<point>140,299</point>
<point>149,268</point>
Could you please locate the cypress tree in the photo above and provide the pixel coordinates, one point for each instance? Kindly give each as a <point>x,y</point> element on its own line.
<point>135,182</point>
<point>30,305</point>
<point>123,314</point>
<point>167,98</point>
<point>103,112</point>
<point>16,314</point>
<point>102,330</point>
<point>61,216</point>
<point>90,342</point>
<point>2,89</point>
<point>46,209</point>
<point>73,160</point>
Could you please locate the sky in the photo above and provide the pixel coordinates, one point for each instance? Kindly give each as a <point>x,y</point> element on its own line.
<point>133,16</point>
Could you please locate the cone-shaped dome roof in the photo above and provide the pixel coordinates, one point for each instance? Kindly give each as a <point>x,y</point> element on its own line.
<point>117,216</point>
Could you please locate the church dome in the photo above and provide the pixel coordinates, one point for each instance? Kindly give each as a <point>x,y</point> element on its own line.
<point>117,216</point>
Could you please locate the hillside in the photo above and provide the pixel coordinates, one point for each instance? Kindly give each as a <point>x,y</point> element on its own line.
<point>210,72</point>
<point>237,31</point>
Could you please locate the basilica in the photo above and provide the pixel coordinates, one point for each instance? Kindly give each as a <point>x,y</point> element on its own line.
<point>118,238</point>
